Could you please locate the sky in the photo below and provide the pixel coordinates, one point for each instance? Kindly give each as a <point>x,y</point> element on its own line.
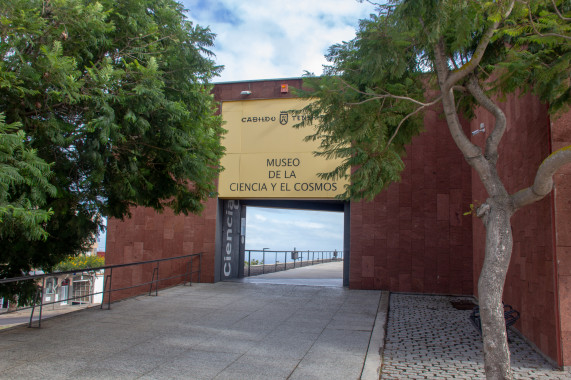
<point>271,39</point>
<point>280,229</point>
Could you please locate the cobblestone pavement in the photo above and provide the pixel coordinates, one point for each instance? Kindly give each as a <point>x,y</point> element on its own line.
<point>427,338</point>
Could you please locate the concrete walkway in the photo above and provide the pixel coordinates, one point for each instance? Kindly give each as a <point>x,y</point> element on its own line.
<point>23,316</point>
<point>264,327</point>
<point>226,330</point>
<point>328,274</point>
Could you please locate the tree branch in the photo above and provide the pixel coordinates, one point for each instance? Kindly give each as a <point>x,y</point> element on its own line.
<point>546,34</point>
<point>405,118</point>
<point>543,183</point>
<point>559,13</point>
<point>472,153</point>
<point>493,140</point>
<point>473,63</point>
<point>469,150</point>
<point>379,96</point>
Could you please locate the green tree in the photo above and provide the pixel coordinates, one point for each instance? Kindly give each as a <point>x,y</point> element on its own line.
<point>414,54</point>
<point>115,96</point>
<point>24,187</point>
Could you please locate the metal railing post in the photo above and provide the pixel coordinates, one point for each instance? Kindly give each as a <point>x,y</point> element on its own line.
<point>41,302</point>
<point>249,262</point>
<point>110,289</point>
<point>157,285</point>
<point>199,266</point>
<point>107,277</point>
<point>153,281</point>
<point>103,290</point>
<point>40,295</point>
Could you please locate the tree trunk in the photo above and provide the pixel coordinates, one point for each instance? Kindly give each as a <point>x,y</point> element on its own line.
<point>495,214</point>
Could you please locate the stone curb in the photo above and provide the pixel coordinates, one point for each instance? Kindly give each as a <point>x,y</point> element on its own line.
<point>373,360</point>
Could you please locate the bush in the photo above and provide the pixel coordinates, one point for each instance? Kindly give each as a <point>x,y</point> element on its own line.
<point>80,262</point>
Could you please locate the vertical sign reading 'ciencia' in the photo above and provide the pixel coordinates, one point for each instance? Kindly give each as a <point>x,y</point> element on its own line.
<point>266,157</point>
<point>231,232</point>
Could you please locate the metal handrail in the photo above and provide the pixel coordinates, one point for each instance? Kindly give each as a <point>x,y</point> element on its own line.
<point>317,257</point>
<point>106,290</point>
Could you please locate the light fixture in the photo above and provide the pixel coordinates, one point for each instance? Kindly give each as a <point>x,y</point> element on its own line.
<point>482,129</point>
<point>246,92</point>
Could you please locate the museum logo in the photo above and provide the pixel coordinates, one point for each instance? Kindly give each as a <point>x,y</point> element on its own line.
<point>284,118</point>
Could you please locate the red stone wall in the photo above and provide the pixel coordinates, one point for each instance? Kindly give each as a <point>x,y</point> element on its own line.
<point>414,237</point>
<point>260,89</point>
<point>561,137</point>
<point>149,235</point>
<point>530,283</point>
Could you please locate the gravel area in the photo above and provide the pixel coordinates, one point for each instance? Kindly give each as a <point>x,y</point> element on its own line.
<point>427,338</point>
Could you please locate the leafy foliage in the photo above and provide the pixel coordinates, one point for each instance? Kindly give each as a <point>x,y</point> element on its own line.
<point>539,59</point>
<point>24,186</point>
<point>80,262</point>
<point>115,96</point>
<point>370,101</point>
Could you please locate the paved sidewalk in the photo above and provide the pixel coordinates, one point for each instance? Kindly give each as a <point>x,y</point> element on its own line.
<point>23,316</point>
<point>216,331</point>
<point>427,338</point>
<point>265,327</point>
<point>327,274</point>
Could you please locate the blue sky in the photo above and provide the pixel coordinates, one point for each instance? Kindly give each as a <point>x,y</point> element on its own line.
<point>269,39</point>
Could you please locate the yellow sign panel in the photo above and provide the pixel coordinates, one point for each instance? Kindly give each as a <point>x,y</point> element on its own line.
<point>267,158</point>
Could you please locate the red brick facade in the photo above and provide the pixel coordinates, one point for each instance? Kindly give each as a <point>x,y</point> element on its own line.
<point>561,215</point>
<point>414,236</point>
<point>149,235</point>
<point>530,284</point>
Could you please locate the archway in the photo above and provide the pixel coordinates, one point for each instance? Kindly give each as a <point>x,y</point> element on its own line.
<point>231,236</point>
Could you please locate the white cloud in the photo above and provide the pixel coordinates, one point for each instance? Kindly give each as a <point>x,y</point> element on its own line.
<point>264,39</point>
<point>280,229</point>
<point>310,225</point>
<point>261,218</point>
